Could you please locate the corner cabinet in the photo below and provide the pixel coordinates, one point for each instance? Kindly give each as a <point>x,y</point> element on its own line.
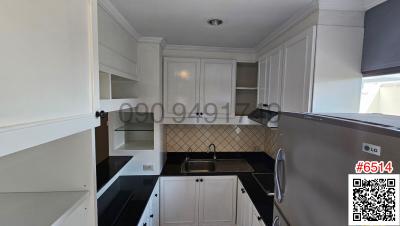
<point>193,201</point>
<point>199,87</point>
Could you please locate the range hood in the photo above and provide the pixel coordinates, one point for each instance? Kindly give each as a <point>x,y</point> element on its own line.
<point>265,117</point>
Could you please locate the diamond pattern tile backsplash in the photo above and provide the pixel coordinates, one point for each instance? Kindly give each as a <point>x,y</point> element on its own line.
<point>227,138</point>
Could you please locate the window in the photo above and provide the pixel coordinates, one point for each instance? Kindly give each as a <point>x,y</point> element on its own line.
<point>381,94</point>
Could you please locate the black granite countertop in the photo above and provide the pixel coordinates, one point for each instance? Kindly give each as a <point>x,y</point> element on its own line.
<point>260,162</point>
<point>125,200</point>
<point>107,169</point>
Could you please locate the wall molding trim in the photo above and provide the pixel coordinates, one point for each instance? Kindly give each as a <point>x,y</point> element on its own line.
<point>209,49</point>
<point>148,39</point>
<point>117,16</point>
<point>293,20</point>
<point>349,5</point>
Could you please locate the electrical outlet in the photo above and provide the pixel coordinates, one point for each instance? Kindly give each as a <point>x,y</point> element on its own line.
<point>372,149</point>
<point>148,168</point>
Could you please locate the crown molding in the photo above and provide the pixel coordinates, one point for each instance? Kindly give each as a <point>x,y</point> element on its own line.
<point>155,40</point>
<point>293,20</point>
<point>121,20</point>
<point>372,3</point>
<point>209,49</point>
<point>349,5</point>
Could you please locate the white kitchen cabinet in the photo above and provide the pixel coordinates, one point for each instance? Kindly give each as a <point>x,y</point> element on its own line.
<point>297,72</point>
<point>256,219</point>
<point>217,201</point>
<point>150,216</point>
<point>274,83</point>
<point>181,87</point>
<point>49,86</point>
<point>244,207</point>
<point>209,200</point>
<point>199,87</point>
<point>262,79</point>
<point>179,201</point>
<point>218,87</point>
<point>316,70</point>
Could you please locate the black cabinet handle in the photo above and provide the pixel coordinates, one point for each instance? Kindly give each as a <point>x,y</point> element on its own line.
<point>259,218</point>
<point>144,224</point>
<point>100,114</point>
<point>151,216</point>
<point>197,113</point>
<point>265,105</point>
<point>201,180</point>
<point>243,191</point>
<point>197,180</point>
<point>156,195</point>
<point>201,113</point>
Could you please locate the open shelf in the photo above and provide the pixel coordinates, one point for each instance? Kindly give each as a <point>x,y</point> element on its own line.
<point>246,88</point>
<point>39,208</point>
<point>117,92</point>
<point>136,127</point>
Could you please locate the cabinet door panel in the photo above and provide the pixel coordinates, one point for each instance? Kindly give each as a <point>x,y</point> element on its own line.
<point>297,72</point>
<point>274,89</point>
<point>217,90</point>
<point>217,205</point>
<point>179,201</point>
<point>48,60</point>
<point>181,85</point>
<point>262,82</point>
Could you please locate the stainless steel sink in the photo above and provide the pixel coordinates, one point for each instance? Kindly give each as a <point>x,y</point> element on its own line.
<point>215,166</point>
<point>198,166</point>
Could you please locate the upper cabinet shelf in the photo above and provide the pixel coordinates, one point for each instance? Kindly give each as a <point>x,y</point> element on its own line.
<point>42,208</point>
<point>136,127</point>
<point>246,88</point>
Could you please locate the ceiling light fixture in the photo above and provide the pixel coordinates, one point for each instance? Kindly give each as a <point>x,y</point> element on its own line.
<point>214,22</point>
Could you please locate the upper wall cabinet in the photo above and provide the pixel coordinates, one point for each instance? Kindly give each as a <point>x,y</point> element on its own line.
<point>316,70</point>
<point>49,85</point>
<point>199,87</point>
<point>297,73</point>
<point>285,72</point>
<point>117,48</point>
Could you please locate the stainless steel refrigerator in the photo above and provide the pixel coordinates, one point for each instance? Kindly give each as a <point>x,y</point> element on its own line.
<point>317,153</point>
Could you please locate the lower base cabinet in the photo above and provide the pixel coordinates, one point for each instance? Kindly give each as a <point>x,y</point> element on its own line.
<point>247,214</point>
<point>151,214</point>
<point>198,201</point>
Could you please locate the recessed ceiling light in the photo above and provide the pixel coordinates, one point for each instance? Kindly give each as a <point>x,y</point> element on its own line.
<point>214,22</point>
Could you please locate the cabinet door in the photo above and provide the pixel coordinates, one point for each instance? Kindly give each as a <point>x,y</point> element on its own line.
<point>179,201</point>
<point>217,201</point>
<point>181,86</point>
<point>262,82</point>
<point>297,72</point>
<point>217,90</point>
<point>274,84</point>
<point>256,219</point>
<point>156,205</point>
<point>49,67</point>
<point>244,207</point>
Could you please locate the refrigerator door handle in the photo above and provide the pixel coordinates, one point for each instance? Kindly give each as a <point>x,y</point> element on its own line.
<point>276,221</point>
<point>279,190</point>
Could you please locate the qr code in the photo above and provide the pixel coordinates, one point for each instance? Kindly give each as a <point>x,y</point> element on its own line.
<point>374,199</point>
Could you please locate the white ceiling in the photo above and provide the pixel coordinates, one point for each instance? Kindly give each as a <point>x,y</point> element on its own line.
<point>184,22</point>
